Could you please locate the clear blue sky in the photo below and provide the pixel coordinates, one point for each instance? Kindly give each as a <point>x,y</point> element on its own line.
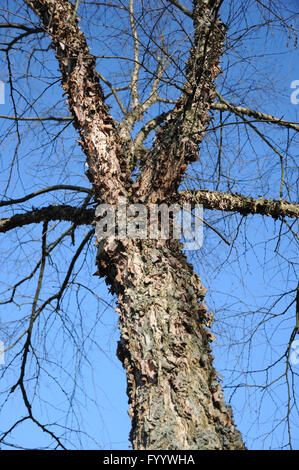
<point>256,269</point>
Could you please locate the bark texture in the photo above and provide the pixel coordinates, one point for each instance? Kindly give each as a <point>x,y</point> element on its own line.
<point>177,141</point>
<point>176,401</point>
<point>63,212</point>
<point>241,204</point>
<point>99,138</point>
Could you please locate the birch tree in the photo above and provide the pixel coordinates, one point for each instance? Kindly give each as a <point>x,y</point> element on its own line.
<point>161,136</point>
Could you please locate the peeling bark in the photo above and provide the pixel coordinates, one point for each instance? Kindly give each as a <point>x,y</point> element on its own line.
<point>99,138</point>
<point>176,143</point>
<point>176,400</point>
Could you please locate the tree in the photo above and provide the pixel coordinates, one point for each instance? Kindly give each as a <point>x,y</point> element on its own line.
<point>166,89</point>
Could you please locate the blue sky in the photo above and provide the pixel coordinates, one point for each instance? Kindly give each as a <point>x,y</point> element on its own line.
<point>243,279</point>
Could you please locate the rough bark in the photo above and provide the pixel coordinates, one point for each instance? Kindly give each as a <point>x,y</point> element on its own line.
<point>176,401</point>
<point>99,138</point>
<point>238,203</point>
<point>76,215</point>
<point>176,143</point>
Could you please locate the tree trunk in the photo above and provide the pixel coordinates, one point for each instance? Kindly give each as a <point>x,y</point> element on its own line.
<point>176,401</point>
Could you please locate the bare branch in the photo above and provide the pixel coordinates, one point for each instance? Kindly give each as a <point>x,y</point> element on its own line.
<point>256,114</point>
<point>43,191</point>
<point>148,127</point>
<point>28,345</point>
<point>265,139</point>
<point>135,75</point>
<point>181,7</point>
<point>176,144</point>
<point>28,32</point>
<point>14,288</point>
<point>37,118</point>
<point>114,93</point>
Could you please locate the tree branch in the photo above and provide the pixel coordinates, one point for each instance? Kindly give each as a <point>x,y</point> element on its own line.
<point>176,143</point>
<point>37,118</point>
<point>238,203</point>
<point>113,92</point>
<point>28,345</point>
<point>135,74</point>
<point>209,199</point>
<point>181,7</point>
<point>148,127</point>
<point>265,139</point>
<point>43,191</point>
<point>256,114</point>
<point>63,212</point>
